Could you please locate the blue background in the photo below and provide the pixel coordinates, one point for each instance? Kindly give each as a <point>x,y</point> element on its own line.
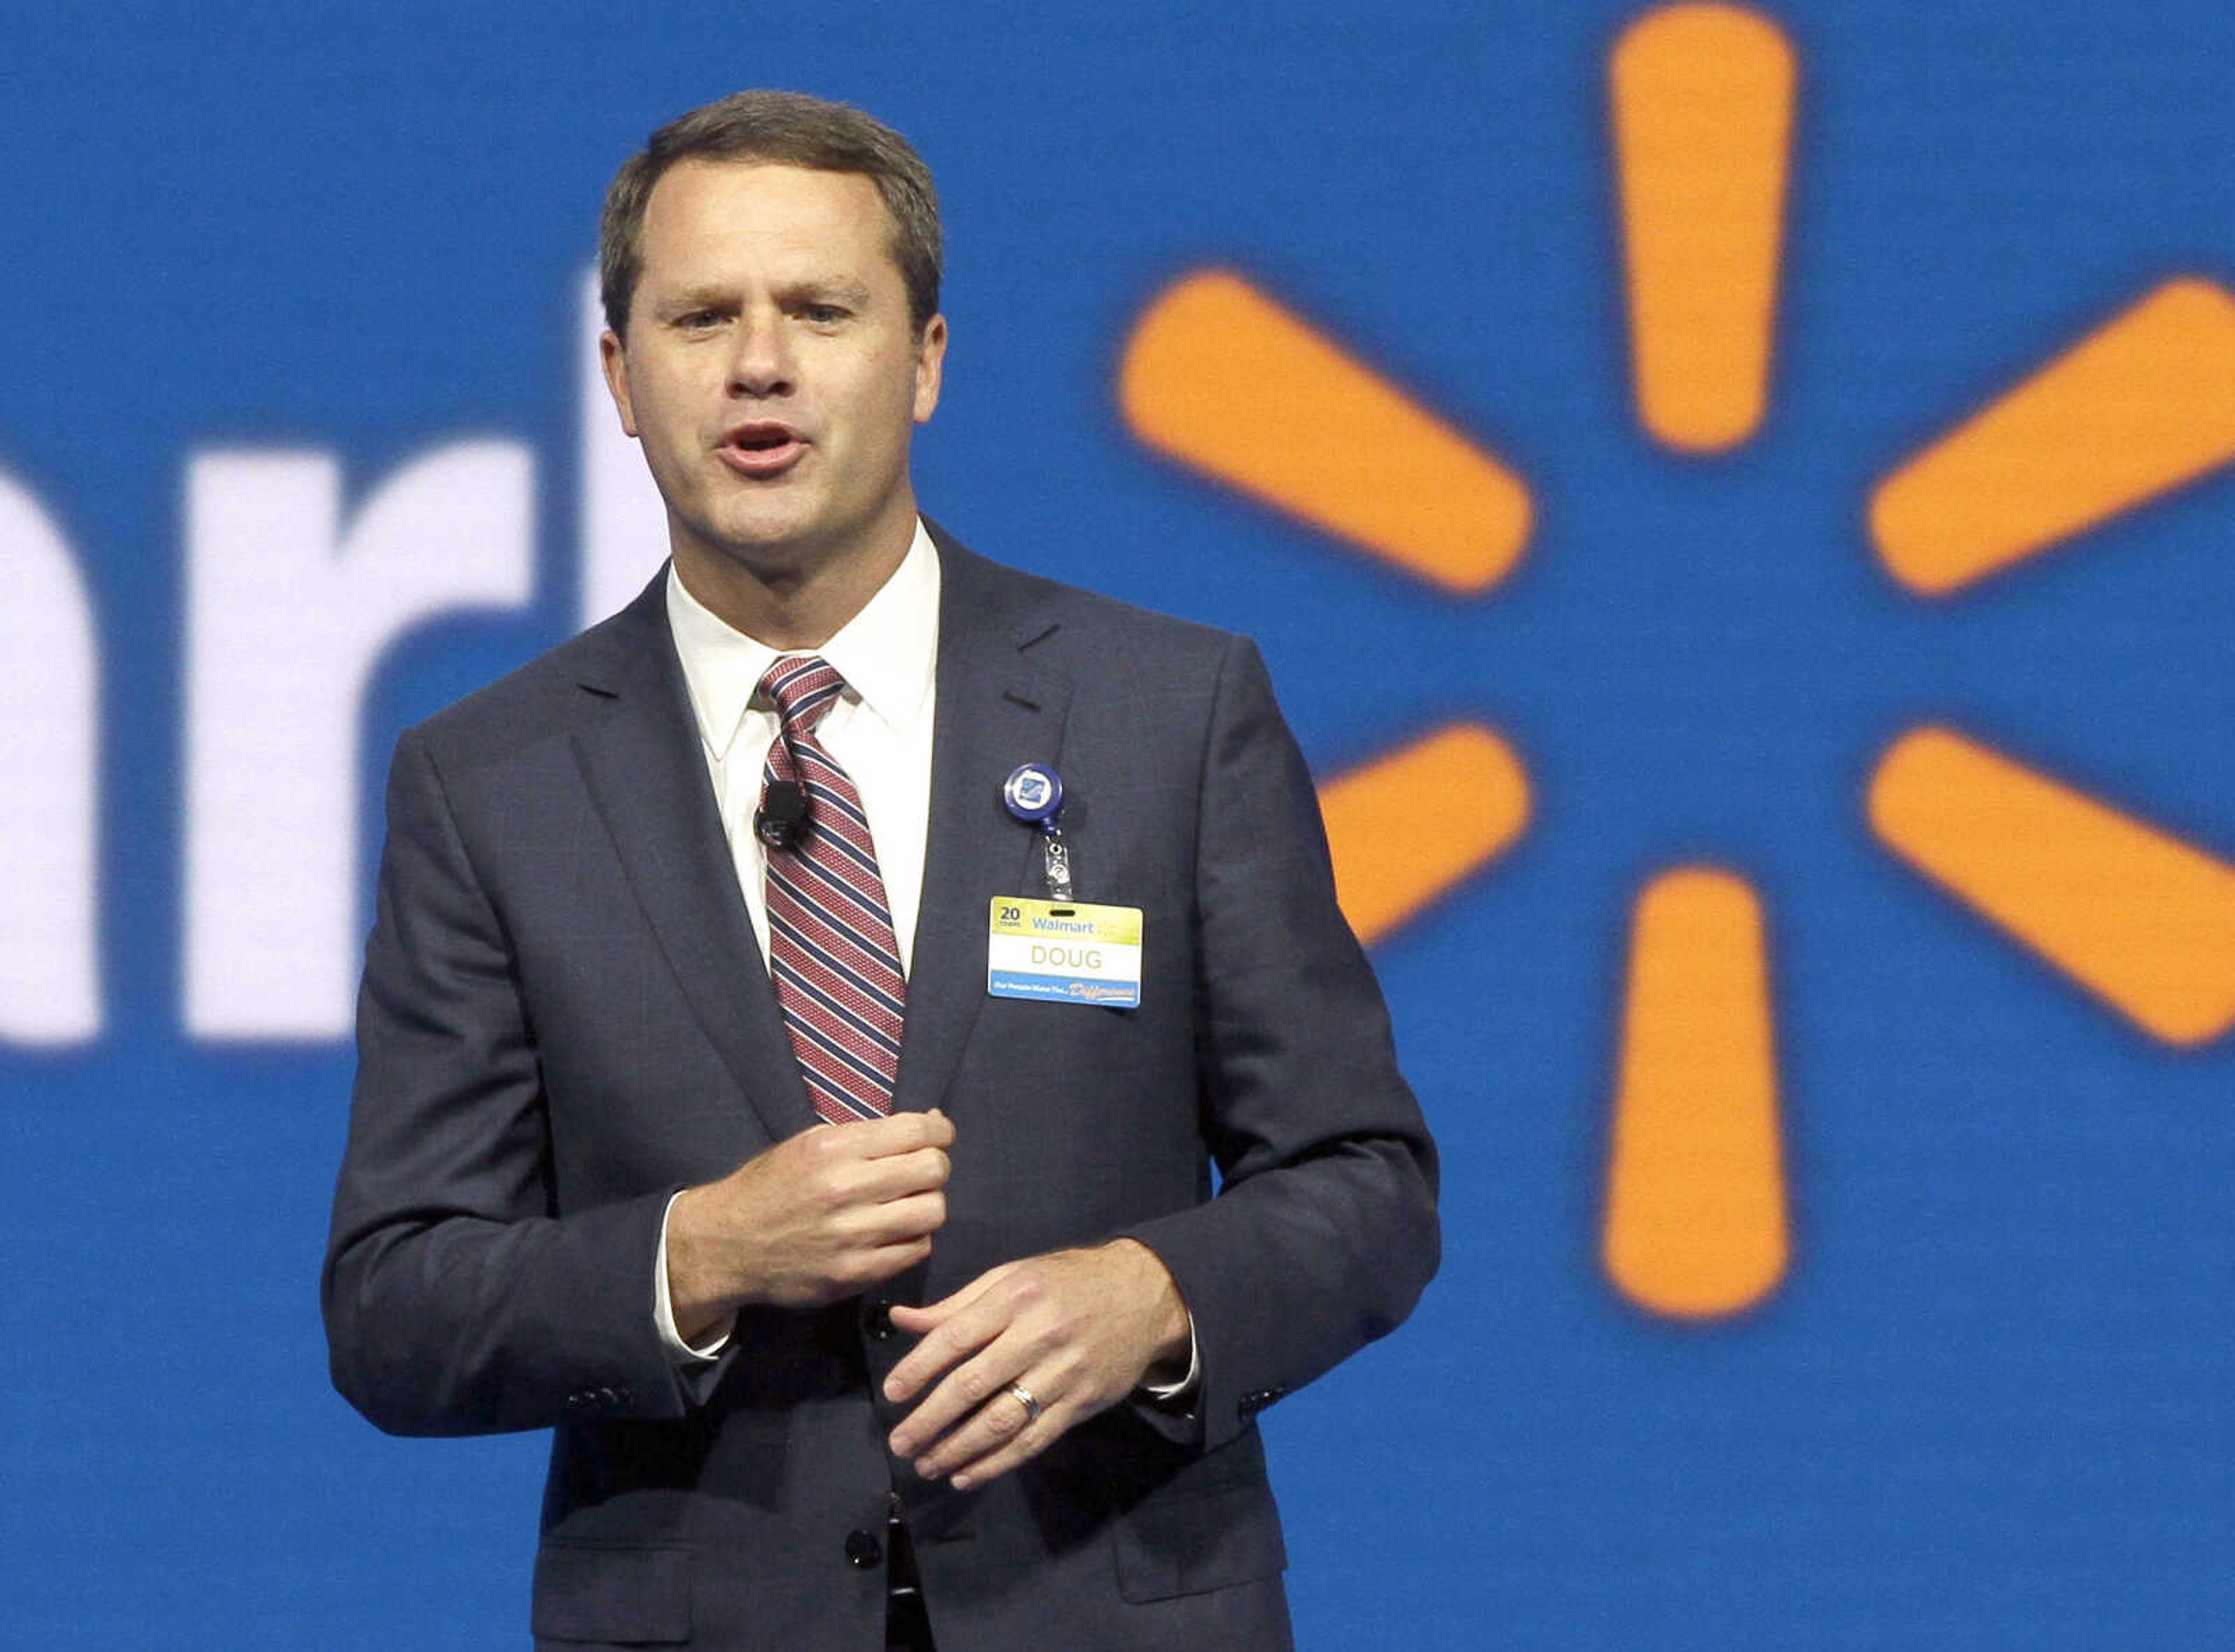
<point>1990,1405</point>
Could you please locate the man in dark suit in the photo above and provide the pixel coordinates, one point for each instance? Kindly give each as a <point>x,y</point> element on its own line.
<point>873,1296</point>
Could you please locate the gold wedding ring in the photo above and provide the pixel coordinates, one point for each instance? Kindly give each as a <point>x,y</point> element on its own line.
<point>1023,1396</point>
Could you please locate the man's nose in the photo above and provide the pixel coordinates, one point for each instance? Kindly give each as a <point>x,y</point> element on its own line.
<point>761,364</point>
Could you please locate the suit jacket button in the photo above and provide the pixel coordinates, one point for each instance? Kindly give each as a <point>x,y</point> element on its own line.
<point>863,1550</point>
<point>877,1320</point>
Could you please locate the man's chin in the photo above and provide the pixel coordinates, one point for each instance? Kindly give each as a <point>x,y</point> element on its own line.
<point>770,554</point>
<point>781,550</point>
<point>770,560</point>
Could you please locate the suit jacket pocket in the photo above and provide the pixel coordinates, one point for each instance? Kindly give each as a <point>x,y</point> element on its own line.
<point>625,1594</point>
<point>1198,1540</point>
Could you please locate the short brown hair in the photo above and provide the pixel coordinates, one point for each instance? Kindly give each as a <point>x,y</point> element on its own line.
<point>789,128</point>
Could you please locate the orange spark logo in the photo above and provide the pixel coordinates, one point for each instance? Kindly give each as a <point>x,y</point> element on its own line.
<point>1224,380</point>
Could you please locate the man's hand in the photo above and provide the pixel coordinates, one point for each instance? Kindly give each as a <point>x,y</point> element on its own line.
<point>812,1219</point>
<point>1076,1329</point>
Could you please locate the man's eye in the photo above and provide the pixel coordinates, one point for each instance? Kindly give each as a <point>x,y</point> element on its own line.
<point>701,320</point>
<point>823,315</point>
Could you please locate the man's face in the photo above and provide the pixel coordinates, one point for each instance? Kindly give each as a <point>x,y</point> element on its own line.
<point>771,369</point>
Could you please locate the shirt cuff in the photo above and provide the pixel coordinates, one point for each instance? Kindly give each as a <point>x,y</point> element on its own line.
<point>663,1309</point>
<point>1162,1392</point>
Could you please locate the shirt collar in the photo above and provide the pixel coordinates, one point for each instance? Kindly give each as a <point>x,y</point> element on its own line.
<point>886,652</point>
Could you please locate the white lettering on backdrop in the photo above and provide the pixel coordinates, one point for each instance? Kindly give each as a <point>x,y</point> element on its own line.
<point>288,612</point>
<point>624,525</point>
<point>49,758</point>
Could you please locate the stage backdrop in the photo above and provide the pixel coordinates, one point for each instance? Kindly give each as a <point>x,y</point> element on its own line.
<point>1736,504</point>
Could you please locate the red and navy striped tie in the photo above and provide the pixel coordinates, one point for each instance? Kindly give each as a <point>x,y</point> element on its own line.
<point>837,973</point>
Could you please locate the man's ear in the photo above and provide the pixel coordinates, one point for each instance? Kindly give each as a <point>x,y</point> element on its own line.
<point>930,357</point>
<point>614,360</point>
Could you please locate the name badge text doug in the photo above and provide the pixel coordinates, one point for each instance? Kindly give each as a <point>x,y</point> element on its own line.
<point>1064,952</point>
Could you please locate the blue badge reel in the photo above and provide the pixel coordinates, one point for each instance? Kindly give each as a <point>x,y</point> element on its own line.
<point>1033,793</point>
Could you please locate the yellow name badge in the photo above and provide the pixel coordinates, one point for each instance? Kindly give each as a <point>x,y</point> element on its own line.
<point>1064,952</point>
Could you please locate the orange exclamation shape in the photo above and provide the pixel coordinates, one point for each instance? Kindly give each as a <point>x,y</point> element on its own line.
<point>1703,97</point>
<point>1695,1211</point>
<point>1392,858</point>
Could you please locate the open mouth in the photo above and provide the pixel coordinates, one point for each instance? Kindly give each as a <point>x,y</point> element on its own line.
<point>761,449</point>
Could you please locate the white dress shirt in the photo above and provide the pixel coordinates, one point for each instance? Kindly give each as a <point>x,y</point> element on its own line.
<point>879,732</point>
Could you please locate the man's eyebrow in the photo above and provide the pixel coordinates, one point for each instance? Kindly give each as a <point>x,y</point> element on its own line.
<point>683,300</point>
<point>844,289</point>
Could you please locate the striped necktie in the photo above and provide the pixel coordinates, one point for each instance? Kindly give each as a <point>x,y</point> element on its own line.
<point>831,953</point>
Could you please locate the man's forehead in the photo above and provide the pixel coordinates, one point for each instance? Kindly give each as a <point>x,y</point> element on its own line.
<point>725,196</point>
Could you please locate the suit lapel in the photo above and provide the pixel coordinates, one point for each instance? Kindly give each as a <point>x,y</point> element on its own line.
<point>643,765</point>
<point>995,709</point>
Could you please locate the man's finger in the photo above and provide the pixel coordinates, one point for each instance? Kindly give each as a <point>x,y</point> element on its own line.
<point>960,1403</point>
<point>957,1339</point>
<point>1003,1427</point>
<point>920,1321</point>
<point>899,1175</point>
<point>896,1258</point>
<point>1020,1448</point>
<point>902,1133</point>
<point>932,1314</point>
<point>895,1221</point>
<point>947,1334</point>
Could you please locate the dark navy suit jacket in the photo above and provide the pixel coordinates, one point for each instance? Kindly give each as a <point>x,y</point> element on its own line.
<point>565,1017</point>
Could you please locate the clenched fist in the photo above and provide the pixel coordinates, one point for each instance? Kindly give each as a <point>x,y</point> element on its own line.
<point>815,1219</point>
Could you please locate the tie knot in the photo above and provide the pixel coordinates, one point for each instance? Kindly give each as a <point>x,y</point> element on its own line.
<point>803,687</point>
